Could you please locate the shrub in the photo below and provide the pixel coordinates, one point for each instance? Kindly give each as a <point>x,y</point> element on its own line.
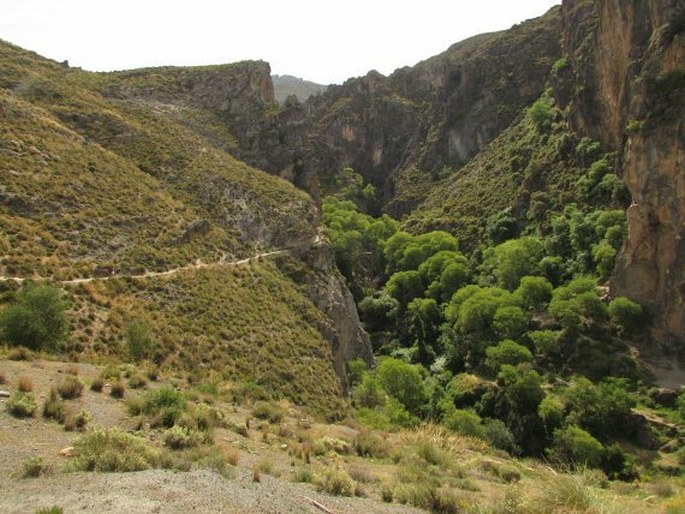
<point>506,352</point>
<point>499,435</point>
<point>562,493</point>
<point>337,482</point>
<point>217,464</point>
<point>403,382</point>
<point>70,387</point>
<point>112,450</point>
<point>576,447</point>
<point>35,467</point>
<point>77,421</point>
<point>165,404</point>
<point>97,384</point>
<point>21,405</point>
<point>53,408</point>
<point>464,421</point>
<point>626,313</point>
<point>179,438</point>
<point>139,343</point>
<point>25,384</point>
<point>369,444</point>
<point>117,389</point>
<point>37,320</point>
<point>368,392</point>
<point>137,381</point>
<point>270,411</point>
<point>303,474</point>
<point>50,510</point>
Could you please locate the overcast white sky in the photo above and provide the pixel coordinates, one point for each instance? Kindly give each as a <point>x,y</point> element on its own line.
<point>326,42</point>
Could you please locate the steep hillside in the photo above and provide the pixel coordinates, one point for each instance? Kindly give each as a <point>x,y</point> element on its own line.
<point>399,132</point>
<point>99,186</point>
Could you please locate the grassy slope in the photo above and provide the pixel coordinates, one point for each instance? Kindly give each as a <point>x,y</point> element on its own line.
<point>95,182</point>
<point>518,162</point>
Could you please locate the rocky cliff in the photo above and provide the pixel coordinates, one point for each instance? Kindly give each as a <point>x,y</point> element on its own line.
<point>627,61</point>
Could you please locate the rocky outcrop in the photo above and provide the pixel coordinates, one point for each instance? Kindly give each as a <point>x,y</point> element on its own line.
<point>417,121</point>
<point>627,59</point>
<point>329,292</point>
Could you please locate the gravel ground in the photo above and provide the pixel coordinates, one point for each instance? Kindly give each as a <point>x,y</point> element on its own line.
<point>170,492</point>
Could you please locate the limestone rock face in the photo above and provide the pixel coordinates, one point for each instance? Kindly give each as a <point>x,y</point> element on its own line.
<point>413,123</point>
<point>628,59</point>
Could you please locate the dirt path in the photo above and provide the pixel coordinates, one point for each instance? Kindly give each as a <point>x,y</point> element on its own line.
<point>149,274</point>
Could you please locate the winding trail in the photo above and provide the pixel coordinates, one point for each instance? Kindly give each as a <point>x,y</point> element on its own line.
<point>150,274</point>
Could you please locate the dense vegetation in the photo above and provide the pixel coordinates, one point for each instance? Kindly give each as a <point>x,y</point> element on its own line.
<point>515,340</point>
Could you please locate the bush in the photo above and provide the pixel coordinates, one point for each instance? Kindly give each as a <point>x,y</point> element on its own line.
<point>403,382</point>
<point>77,421</point>
<point>117,389</point>
<point>53,408</point>
<point>626,313</point>
<point>576,447</point>
<point>112,450</point>
<point>139,343</point>
<point>97,384</point>
<point>541,113</point>
<point>21,405</point>
<point>499,435</point>
<point>368,392</point>
<point>369,444</point>
<point>25,384</point>
<point>464,421</point>
<point>165,404</point>
<point>507,352</point>
<point>34,468</point>
<point>270,411</point>
<point>70,387</point>
<point>37,320</point>
<point>337,482</point>
<point>179,438</point>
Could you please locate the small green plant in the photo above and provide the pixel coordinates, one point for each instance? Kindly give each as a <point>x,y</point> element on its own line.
<point>270,411</point>
<point>139,343</point>
<point>137,381</point>
<point>117,389</point>
<point>70,387</point>
<point>53,407</point>
<point>337,482</point>
<point>303,474</point>
<point>77,420</point>
<point>179,438</point>
<point>164,405</point>
<point>112,450</point>
<point>50,510</point>
<point>97,384</point>
<point>34,468</point>
<point>368,443</point>
<point>21,405</point>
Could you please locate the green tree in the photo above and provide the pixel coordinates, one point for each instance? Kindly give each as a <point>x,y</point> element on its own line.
<point>37,320</point>
<point>534,292</point>
<point>404,286</point>
<point>514,259</point>
<point>573,445</point>
<point>506,352</point>
<point>403,382</point>
<point>626,313</point>
<point>509,322</point>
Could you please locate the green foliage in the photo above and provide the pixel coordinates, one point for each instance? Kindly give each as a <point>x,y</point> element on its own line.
<point>603,409</point>
<point>355,370</point>
<point>541,113</point>
<point>626,314</point>
<point>70,387</point>
<point>179,438</point>
<point>36,320</point>
<point>21,405</point>
<point>270,411</point>
<point>506,352</point>
<point>112,450</point>
<point>534,292</point>
<point>139,342</point>
<point>378,312</point>
<point>546,342</point>
<point>368,393</point>
<point>403,382</point>
<point>336,482</point>
<point>560,65</point>
<point>404,286</point>
<point>576,447</point>
<point>496,432</point>
<point>406,252</point>
<point>509,322</point>
<point>35,467</point>
<point>514,259</point>
<point>551,412</point>
<point>577,302</point>
<point>164,404</point>
<point>463,421</point>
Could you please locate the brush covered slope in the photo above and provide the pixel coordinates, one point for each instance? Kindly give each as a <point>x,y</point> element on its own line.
<point>96,189</point>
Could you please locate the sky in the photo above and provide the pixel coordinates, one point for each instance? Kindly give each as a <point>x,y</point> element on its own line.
<point>325,42</point>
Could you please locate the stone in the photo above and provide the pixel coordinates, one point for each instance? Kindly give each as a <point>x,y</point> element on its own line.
<point>69,451</point>
<point>4,394</point>
<point>664,396</point>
